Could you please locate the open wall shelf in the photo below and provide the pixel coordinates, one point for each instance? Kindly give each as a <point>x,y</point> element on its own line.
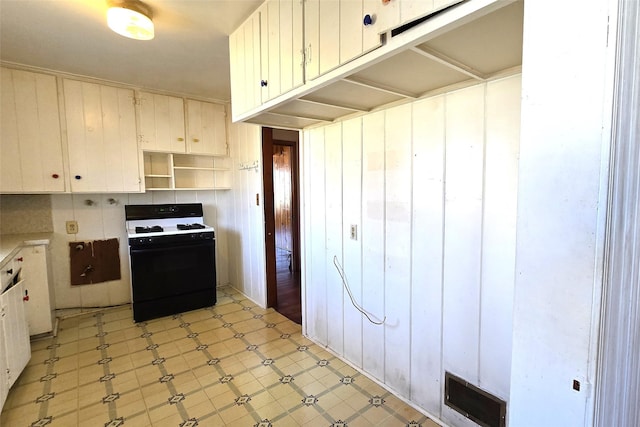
<point>173,171</point>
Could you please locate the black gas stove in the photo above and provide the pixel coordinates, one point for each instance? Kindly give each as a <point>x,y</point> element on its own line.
<point>172,254</point>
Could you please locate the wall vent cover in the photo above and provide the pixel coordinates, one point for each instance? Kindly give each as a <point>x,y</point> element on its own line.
<point>474,403</point>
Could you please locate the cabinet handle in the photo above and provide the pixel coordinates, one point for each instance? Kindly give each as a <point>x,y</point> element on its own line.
<point>180,139</point>
<point>26,296</point>
<point>10,271</point>
<point>196,140</point>
<point>263,83</point>
<point>19,259</point>
<point>368,20</point>
<point>55,176</point>
<point>78,177</point>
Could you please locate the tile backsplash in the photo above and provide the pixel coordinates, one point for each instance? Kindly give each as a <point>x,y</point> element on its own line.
<point>25,213</point>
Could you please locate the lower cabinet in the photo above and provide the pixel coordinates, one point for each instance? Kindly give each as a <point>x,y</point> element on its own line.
<point>36,270</point>
<point>16,347</point>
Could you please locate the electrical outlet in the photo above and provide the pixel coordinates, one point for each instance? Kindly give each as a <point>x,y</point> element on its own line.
<point>354,232</point>
<point>72,227</point>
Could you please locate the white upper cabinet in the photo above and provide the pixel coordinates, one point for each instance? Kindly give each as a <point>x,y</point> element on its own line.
<point>102,142</point>
<point>266,54</point>
<point>244,57</point>
<point>206,128</point>
<point>162,125</point>
<point>161,122</point>
<point>31,148</point>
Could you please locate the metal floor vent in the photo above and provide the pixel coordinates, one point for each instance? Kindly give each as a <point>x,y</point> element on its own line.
<point>479,406</point>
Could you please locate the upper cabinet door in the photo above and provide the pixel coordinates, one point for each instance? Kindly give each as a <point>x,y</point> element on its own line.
<point>206,128</point>
<point>101,130</point>
<point>244,57</point>
<point>291,45</point>
<point>266,55</point>
<point>31,148</point>
<point>322,36</point>
<point>161,121</point>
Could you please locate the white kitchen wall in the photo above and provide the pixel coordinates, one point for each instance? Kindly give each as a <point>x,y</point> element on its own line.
<point>245,230</point>
<point>562,196</point>
<point>104,219</point>
<point>432,189</point>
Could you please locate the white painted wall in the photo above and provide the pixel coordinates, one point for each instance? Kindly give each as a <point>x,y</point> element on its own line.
<point>432,188</point>
<point>104,220</point>
<point>246,227</point>
<point>566,109</point>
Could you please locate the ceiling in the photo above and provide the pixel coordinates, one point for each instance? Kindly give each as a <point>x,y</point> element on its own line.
<point>189,54</point>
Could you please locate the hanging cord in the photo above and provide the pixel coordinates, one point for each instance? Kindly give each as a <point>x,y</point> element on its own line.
<point>343,276</point>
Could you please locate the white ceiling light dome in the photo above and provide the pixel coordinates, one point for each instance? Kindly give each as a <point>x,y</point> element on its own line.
<point>131,18</point>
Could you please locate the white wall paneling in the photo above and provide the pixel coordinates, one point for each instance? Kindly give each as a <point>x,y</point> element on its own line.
<point>431,187</point>
<point>373,247</point>
<point>562,181</point>
<point>398,236</point>
<point>317,263</point>
<point>428,118</point>
<point>333,220</point>
<point>498,233</point>
<point>352,249</point>
<point>246,225</point>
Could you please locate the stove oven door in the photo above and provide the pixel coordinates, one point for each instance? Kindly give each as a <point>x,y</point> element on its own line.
<point>172,279</point>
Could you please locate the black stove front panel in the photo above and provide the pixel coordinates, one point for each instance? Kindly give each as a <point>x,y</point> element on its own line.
<point>173,278</point>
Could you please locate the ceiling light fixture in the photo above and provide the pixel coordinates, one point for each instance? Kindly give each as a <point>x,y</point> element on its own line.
<point>131,18</point>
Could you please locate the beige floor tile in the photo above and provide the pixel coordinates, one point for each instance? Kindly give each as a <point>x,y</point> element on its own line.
<point>258,353</point>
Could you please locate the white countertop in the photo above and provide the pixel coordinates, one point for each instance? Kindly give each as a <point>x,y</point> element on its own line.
<point>10,243</point>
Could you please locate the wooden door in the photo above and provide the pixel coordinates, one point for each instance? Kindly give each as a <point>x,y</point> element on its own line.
<point>102,138</point>
<point>161,121</point>
<point>31,149</point>
<point>281,182</point>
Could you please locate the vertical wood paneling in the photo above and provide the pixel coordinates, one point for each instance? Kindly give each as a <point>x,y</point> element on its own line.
<point>316,288</point>
<point>329,51</point>
<point>273,34</point>
<point>245,230</point>
<point>298,43</point>
<point>427,253</point>
<point>435,240</point>
<point>311,38</point>
<point>286,45</point>
<point>101,135</point>
<point>352,255</point>
<point>333,243</point>
<point>397,290</point>
<point>498,235</point>
<point>463,231</point>
<point>350,29</point>
<point>11,173</point>
<point>373,244</point>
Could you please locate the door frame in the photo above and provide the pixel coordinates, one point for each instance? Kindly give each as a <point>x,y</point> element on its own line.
<point>269,213</point>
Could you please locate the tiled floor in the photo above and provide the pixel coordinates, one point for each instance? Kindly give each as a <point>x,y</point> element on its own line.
<point>231,365</point>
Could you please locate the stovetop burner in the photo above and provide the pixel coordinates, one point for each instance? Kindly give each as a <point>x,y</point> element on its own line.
<point>190,226</point>
<point>149,229</point>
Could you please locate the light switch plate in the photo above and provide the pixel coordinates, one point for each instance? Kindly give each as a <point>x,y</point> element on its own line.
<point>354,232</point>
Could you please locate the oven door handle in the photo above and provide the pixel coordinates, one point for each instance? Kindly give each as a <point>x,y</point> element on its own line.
<point>148,249</point>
